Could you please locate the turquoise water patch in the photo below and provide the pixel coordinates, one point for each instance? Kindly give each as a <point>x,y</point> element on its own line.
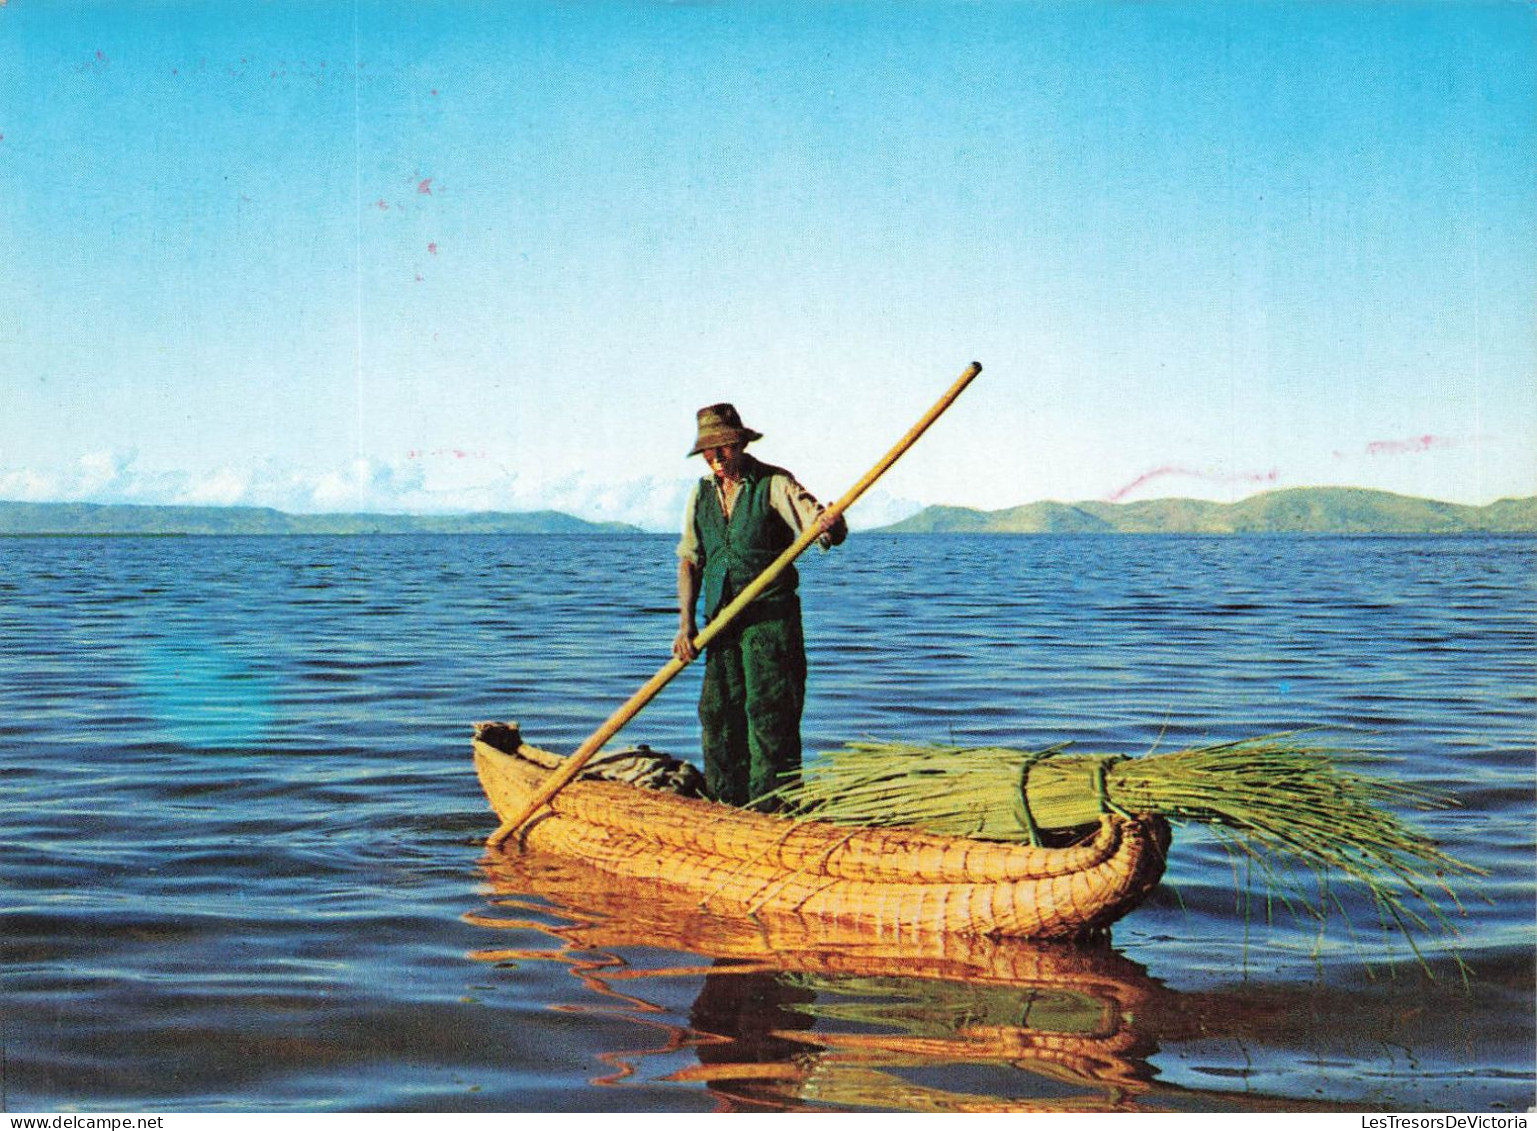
<point>202,693</point>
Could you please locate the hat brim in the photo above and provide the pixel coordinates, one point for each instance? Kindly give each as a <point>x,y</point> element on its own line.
<point>723,437</point>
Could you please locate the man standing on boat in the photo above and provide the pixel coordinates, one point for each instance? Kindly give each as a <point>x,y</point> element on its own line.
<point>739,519</point>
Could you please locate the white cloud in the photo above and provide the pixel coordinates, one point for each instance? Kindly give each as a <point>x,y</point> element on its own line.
<point>94,477</point>
<point>224,487</point>
<point>412,485</point>
<point>880,509</point>
<point>100,472</point>
<point>361,484</point>
<point>27,486</point>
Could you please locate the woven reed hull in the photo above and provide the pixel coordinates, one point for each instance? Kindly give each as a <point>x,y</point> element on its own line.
<point>886,882</point>
<point>604,912</point>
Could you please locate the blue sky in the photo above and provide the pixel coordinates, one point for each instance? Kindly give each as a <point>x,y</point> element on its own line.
<point>437,256</point>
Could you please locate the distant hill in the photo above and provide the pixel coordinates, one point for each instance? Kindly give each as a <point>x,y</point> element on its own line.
<point>91,518</point>
<point>1301,510</point>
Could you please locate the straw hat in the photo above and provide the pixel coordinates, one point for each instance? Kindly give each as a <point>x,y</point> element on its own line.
<point>720,425</point>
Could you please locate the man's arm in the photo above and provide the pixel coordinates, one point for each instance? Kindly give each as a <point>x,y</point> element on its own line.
<point>690,570</point>
<point>800,509</point>
<point>688,597</point>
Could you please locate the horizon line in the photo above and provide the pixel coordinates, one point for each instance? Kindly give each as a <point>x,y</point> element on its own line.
<point>452,514</point>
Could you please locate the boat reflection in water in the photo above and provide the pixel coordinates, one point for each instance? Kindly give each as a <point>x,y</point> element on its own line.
<point>793,1018</point>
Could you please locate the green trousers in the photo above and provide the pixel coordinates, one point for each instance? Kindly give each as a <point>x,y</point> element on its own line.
<point>750,706</point>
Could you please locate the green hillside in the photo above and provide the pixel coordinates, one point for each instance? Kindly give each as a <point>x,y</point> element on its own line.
<point>1301,510</point>
<point>90,518</point>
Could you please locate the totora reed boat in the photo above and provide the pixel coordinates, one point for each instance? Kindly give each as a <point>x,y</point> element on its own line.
<point>629,815</point>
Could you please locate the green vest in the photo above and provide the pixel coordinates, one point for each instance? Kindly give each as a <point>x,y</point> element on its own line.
<point>737,551</point>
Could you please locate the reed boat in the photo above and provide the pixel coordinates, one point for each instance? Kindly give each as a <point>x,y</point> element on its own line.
<point>598,914</point>
<point>885,882</point>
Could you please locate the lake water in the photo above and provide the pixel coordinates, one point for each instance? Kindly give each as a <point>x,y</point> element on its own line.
<point>241,840</point>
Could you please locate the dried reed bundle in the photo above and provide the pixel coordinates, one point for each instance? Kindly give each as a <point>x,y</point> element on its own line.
<point>1275,801</point>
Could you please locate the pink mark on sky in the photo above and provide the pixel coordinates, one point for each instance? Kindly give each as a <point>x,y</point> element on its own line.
<point>432,248</point>
<point>1408,447</point>
<point>381,205</point>
<point>1271,476</point>
<point>425,188</point>
<point>456,453</point>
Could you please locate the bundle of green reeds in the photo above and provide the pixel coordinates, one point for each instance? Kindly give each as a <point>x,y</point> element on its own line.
<point>1269,797</point>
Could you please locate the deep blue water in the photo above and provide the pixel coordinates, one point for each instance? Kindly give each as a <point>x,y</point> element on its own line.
<point>241,841</point>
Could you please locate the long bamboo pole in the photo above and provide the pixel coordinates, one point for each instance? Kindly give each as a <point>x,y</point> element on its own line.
<point>632,707</point>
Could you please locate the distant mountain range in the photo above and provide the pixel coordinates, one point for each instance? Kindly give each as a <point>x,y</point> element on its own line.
<point>90,518</point>
<point>1302,510</point>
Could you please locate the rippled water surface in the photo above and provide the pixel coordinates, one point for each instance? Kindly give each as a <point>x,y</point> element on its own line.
<point>241,862</point>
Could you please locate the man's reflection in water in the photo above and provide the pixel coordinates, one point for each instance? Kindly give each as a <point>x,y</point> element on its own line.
<point>739,1017</point>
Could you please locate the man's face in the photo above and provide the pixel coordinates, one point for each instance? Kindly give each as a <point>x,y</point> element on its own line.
<point>725,461</point>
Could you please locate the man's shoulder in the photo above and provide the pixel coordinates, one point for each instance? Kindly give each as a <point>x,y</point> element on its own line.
<point>770,471</point>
